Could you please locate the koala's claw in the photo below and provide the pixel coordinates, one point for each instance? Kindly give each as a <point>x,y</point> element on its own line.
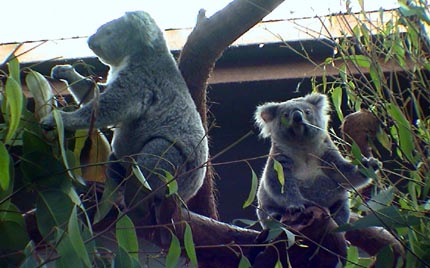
<point>61,71</point>
<point>47,123</point>
<point>372,163</point>
<point>294,209</point>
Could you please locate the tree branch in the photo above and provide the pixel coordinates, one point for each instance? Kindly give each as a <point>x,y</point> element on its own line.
<point>206,43</point>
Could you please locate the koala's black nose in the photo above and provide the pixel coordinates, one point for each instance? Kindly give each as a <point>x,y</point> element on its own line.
<point>297,116</point>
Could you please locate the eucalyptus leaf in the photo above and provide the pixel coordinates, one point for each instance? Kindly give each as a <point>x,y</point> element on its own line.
<point>14,104</point>
<point>41,91</point>
<point>253,191</point>
<point>139,175</point>
<point>53,210</point>
<point>110,194</point>
<point>244,262</point>
<point>4,168</point>
<point>336,97</point>
<point>174,252</point>
<point>14,69</point>
<point>280,173</point>
<point>126,236</point>
<point>68,257</point>
<point>189,246</point>
<point>76,238</point>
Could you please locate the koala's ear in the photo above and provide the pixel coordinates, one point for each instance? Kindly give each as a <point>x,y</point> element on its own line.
<point>320,101</point>
<point>264,115</point>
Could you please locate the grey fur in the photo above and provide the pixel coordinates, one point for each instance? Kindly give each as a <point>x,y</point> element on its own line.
<point>315,172</point>
<point>82,88</point>
<point>148,102</point>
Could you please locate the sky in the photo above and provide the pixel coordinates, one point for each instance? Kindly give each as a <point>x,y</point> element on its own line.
<point>26,20</point>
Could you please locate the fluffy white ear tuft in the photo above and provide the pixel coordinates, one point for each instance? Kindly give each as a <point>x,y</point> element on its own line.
<point>264,116</point>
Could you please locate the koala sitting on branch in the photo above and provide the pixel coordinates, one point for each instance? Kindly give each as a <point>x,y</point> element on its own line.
<point>315,173</point>
<point>146,99</point>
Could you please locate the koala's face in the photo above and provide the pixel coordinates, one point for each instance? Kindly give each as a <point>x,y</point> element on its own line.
<point>109,43</point>
<point>135,32</point>
<point>296,120</point>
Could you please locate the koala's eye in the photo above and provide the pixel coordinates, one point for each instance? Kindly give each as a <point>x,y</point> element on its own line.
<point>308,112</point>
<point>286,115</point>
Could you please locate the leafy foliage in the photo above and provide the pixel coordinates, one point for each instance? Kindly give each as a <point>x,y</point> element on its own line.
<point>400,100</point>
<point>43,191</point>
<point>45,170</point>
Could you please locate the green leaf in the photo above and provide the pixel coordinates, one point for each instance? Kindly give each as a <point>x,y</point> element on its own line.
<point>4,167</point>
<point>126,236</point>
<point>384,140</point>
<point>404,132</point>
<point>172,184</point>
<point>64,155</point>
<point>244,262</point>
<point>356,152</point>
<point>376,78</point>
<point>68,257</point>
<point>189,246</point>
<point>110,194</point>
<point>13,231</point>
<point>174,252</point>
<point>76,238</point>
<point>41,91</point>
<point>336,97</point>
<point>246,222</point>
<point>34,143</point>
<point>253,191</point>
<point>14,102</point>
<point>361,60</point>
<point>123,259</point>
<point>284,121</point>
<point>53,210</point>
<point>139,175</point>
<point>280,173</point>
<point>352,257</point>
<point>14,70</point>
<point>278,264</point>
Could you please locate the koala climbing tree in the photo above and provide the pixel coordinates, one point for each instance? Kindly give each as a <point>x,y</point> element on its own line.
<point>204,45</point>
<point>314,171</point>
<point>155,120</point>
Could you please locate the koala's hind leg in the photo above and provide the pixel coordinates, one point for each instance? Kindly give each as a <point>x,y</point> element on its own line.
<point>159,158</point>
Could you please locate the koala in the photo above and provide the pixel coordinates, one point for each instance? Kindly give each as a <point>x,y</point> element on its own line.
<point>82,88</point>
<point>314,170</point>
<point>146,100</point>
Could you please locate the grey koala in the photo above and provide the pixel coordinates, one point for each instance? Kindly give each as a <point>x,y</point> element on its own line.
<point>147,101</point>
<point>314,170</point>
<point>81,87</point>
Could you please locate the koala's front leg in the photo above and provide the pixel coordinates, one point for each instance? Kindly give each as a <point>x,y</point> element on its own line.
<point>112,107</point>
<point>82,88</point>
<point>344,172</point>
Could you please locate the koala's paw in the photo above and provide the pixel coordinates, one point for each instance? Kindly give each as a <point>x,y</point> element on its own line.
<point>62,71</point>
<point>47,123</point>
<point>371,163</point>
<point>296,207</point>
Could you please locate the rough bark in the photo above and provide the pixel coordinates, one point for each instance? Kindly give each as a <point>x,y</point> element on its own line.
<point>204,46</point>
